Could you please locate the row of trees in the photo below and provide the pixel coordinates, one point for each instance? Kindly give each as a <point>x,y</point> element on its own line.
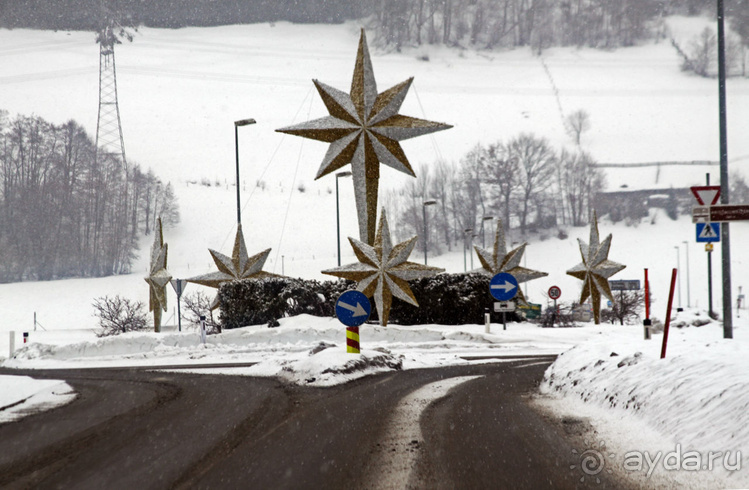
<point>524,181</point>
<point>510,23</point>
<point>85,14</point>
<point>63,211</point>
<point>537,23</point>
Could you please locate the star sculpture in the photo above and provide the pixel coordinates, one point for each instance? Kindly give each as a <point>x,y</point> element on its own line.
<point>364,129</point>
<point>158,277</point>
<point>238,266</point>
<point>595,269</point>
<point>382,270</point>
<point>500,260</point>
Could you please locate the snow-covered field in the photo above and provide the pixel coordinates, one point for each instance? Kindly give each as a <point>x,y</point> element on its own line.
<point>181,89</point>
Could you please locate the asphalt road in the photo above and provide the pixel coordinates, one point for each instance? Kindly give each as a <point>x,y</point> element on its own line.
<point>134,429</point>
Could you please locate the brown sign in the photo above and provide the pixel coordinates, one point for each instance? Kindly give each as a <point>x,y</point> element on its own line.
<point>720,213</point>
<point>729,212</point>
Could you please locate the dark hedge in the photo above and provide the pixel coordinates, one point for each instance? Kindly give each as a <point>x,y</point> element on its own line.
<point>446,299</point>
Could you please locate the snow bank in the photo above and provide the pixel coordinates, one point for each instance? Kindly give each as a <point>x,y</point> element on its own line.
<point>22,395</point>
<point>696,399</point>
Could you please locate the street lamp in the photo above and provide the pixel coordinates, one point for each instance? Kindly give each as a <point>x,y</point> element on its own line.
<point>338,214</point>
<point>473,236</point>
<point>485,218</point>
<point>465,245</point>
<point>678,267</point>
<point>237,124</point>
<point>689,300</point>
<point>430,202</point>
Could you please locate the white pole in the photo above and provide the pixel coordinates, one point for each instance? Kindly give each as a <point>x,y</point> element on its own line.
<point>487,321</point>
<point>12,344</point>
<point>202,329</point>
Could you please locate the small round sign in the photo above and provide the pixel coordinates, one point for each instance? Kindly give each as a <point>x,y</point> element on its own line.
<point>554,292</point>
<point>503,286</point>
<point>353,308</point>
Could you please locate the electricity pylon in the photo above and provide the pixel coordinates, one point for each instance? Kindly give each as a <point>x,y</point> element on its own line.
<point>109,140</point>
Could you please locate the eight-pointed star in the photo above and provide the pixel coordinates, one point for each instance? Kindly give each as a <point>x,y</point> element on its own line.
<point>595,269</point>
<point>238,266</point>
<point>158,277</point>
<point>364,129</point>
<point>382,270</point>
<point>499,260</point>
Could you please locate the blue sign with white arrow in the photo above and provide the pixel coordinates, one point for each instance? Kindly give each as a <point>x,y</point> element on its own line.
<point>352,308</point>
<point>708,232</point>
<point>503,286</point>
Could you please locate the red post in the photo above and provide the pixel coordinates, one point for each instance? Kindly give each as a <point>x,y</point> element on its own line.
<point>647,323</point>
<point>668,314</point>
<point>647,297</point>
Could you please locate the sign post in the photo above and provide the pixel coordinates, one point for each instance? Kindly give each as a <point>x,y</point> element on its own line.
<point>621,286</point>
<point>202,329</point>
<point>352,309</point>
<point>707,218</point>
<point>179,286</point>
<point>554,293</point>
<point>504,287</point>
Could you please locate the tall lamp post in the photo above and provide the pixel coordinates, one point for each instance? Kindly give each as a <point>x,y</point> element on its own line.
<point>338,214</point>
<point>465,245</point>
<point>678,267</point>
<point>473,237</point>
<point>689,300</point>
<point>430,202</point>
<point>484,220</point>
<point>237,124</point>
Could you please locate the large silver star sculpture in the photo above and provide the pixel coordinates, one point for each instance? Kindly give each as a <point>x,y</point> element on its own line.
<point>238,266</point>
<point>364,129</point>
<point>158,277</point>
<point>595,269</point>
<point>383,270</point>
<point>500,260</point>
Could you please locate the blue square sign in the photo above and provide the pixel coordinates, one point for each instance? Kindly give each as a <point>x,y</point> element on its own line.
<point>708,232</point>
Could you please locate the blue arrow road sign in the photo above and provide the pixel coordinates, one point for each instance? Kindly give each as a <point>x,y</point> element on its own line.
<point>352,308</point>
<point>503,286</point>
<point>708,232</point>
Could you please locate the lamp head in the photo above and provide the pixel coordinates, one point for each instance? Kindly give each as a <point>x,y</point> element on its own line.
<point>244,122</point>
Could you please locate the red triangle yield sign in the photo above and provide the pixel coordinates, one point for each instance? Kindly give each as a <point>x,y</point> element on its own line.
<point>707,195</point>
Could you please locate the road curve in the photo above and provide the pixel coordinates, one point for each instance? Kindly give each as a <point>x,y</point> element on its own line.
<point>134,429</point>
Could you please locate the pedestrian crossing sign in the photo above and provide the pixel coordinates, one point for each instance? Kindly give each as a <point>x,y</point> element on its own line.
<point>708,232</point>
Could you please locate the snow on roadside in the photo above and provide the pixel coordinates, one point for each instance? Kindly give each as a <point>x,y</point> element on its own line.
<point>420,346</point>
<point>22,395</point>
<point>692,403</point>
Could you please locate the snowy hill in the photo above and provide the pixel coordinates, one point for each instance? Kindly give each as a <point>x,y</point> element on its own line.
<point>181,89</point>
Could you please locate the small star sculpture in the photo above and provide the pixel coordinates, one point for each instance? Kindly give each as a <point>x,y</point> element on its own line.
<point>595,269</point>
<point>383,270</point>
<point>499,260</point>
<point>364,129</point>
<point>158,277</point>
<point>238,266</point>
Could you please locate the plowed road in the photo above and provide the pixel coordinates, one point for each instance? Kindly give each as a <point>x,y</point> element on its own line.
<point>135,429</point>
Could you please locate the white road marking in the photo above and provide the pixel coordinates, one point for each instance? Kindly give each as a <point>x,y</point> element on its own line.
<point>395,458</point>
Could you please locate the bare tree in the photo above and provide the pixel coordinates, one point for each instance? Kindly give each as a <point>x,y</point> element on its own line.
<point>500,172</point>
<point>119,315</point>
<point>536,160</point>
<point>576,124</point>
<point>579,179</point>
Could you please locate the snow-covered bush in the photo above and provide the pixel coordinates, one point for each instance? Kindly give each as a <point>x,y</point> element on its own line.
<point>447,299</point>
<point>257,302</point>
<point>119,315</point>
